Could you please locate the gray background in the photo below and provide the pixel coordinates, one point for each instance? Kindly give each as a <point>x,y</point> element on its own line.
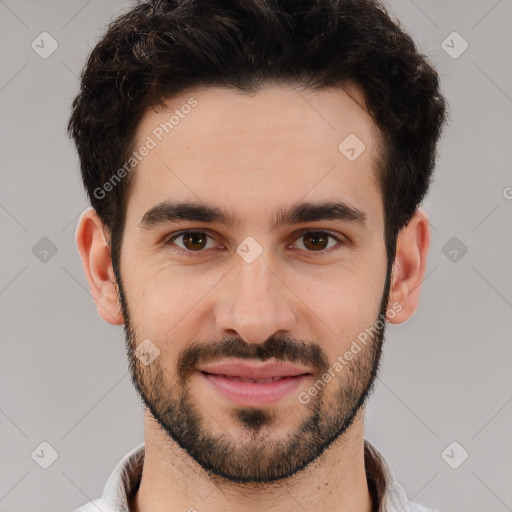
<point>446,372</point>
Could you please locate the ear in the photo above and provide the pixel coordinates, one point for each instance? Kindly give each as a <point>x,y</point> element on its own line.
<point>95,253</point>
<point>408,272</point>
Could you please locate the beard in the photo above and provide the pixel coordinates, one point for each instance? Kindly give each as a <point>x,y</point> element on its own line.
<point>255,456</point>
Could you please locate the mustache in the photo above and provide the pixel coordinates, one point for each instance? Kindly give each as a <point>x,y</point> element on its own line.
<point>275,347</point>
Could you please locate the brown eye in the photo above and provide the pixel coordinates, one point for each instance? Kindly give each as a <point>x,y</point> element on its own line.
<point>192,241</point>
<point>316,240</point>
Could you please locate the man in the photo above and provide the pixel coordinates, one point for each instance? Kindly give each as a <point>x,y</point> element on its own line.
<point>255,171</point>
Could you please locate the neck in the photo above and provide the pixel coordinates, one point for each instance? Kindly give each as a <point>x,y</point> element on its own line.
<point>172,480</point>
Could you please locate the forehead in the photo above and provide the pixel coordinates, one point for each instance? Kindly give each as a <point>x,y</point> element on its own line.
<point>251,153</point>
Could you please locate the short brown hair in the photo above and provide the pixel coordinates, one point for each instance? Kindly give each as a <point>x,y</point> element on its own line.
<point>162,48</point>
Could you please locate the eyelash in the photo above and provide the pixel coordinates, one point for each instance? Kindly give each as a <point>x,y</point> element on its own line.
<point>169,242</point>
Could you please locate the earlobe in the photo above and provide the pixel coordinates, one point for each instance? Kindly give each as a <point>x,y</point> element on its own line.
<point>96,260</point>
<point>409,268</point>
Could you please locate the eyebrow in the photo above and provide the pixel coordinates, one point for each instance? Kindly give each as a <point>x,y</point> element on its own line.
<point>172,212</point>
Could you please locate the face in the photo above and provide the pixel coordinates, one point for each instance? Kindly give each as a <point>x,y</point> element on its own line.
<point>280,259</point>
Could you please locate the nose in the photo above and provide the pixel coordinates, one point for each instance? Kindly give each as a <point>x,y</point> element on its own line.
<point>255,302</point>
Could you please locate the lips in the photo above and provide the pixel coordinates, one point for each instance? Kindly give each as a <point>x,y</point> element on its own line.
<point>240,379</point>
<point>250,372</point>
<point>254,385</point>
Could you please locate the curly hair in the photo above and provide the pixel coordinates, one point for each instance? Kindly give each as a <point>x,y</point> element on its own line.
<point>162,48</point>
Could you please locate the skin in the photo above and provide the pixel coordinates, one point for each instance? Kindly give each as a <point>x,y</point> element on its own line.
<point>287,152</point>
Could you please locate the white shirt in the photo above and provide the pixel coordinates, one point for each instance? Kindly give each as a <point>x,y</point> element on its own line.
<point>125,480</point>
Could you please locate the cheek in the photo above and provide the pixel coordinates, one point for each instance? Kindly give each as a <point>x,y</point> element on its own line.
<point>345,310</point>
<point>341,304</point>
<point>345,295</point>
<point>170,296</point>
<point>353,287</point>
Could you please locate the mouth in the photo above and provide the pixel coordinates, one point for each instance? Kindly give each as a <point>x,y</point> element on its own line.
<point>251,392</point>
<point>249,371</point>
<point>258,381</point>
